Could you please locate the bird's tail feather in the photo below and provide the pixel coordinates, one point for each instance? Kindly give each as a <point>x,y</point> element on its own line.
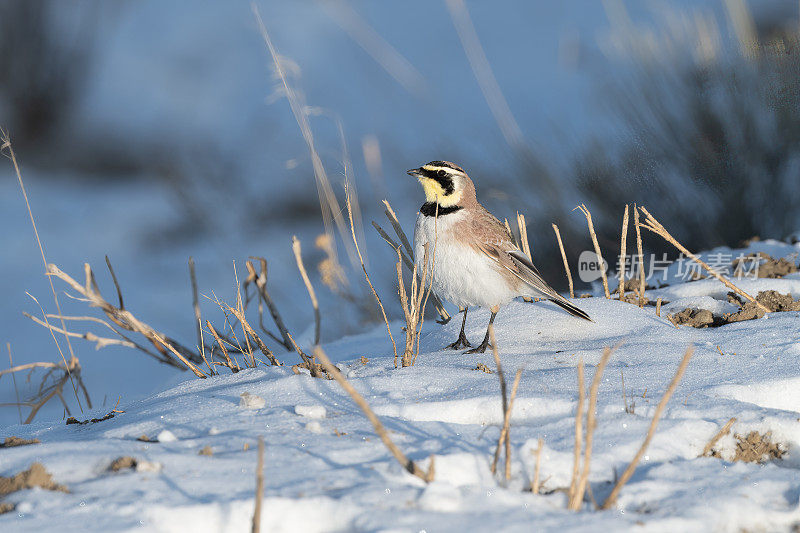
<point>571,309</point>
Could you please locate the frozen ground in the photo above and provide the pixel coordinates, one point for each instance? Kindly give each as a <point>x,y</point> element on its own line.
<point>327,471</point>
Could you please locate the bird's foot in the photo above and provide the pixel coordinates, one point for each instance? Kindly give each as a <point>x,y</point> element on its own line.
<point>462,342</point>
<point>481,348</point>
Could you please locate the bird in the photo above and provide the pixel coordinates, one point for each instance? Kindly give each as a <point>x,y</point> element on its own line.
<point>472,258</point>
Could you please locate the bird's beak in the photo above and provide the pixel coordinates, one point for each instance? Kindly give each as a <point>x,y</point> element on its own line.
<point>415,172</point>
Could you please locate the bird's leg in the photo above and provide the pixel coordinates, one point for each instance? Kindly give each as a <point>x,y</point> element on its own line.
<point>485,344</point>
<point>462,341</point>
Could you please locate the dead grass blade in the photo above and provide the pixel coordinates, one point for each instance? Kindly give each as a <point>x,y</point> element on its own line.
<point>623,255</point>
<point>366,275</point>
<point>566,264</point>
<point>641,254</point>
<point>626,475</point>
<point>655,226</point>
<point>576,502</point>
<point>508,404</point>
<point>602,261</point>
<point>380,430</point>
<point>5,139</point>
<point>259,487</point>
<point>576,459</point>
<point>536,470</point>
<point>715,439</point>
<point>260,281</point>
<point>313,295</point>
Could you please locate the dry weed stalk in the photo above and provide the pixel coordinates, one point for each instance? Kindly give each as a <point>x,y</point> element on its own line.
<point>508,404</point>
<point>249,333</point>
<point>623,254</point>
<point>655,226</point>
<point>329,205</point>
<point>576,459</point>
<point>715,439</point>
<point>536,470</point>
<point>313,295</point>
<point>366,275</point>
<point>380,430</point>
<point>626,475</point>
<point>5,144</point>
<point>413,306</point>
<point>407,253</point>
<point>260,281</point>
<point>641,254</point>
<point>658,307</point>
<point>576,499</point>
<point>169,351</point>
<point>259,487</point>
<point>602,261</point>
<point>566,264</point>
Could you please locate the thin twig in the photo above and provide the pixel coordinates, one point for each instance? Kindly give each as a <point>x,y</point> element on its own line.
<point>380,430</point>
<point>655,226</point>
<point>116,283</point>
<point>591,423</point>
<point>535,484</point>
<point>261,284</point>
<point>573,486</point>
<point>641,254</point>
<point>715,439</point>
<point>622,254</point>
<point>612,498</point>
<point>364,269</point>
<point>6,143</point>
<point>566,265</point>
<point>14,379</point>
<point>259,487</point>
<point>195,304</point>
<point>313,295</point>
<point>600,259</point>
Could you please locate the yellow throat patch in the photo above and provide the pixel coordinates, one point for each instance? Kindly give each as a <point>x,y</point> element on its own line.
<point>435,193</point>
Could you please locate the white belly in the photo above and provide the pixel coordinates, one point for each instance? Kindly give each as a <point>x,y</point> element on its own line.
<point>461,275</point>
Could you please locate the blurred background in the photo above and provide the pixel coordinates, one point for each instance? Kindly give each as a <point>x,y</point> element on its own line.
<point>153,131</point>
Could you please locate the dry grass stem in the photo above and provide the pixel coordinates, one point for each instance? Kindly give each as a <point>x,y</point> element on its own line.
<point>198,318</point>
<point>536,470</point>
<point>380,430</point>
<point>413,307</point>
<point>626,475</point>
<point>313,295</point>
<point>715,439</point>
<point>123,318</point>
<point>329,205</point>
<point>14,379</point>
<point>602,261</point>
<point>576,459</point>
<point>658,307</point>
<point>591,423</point>
<point>640,253</point>
<point>655,226</point>
<point>508,404</point>
<point>5,139</point>
<point>260,280</point>
<point>259,487</point>
<point>623,254</point>
<point>366,275</point>
<point>566,264</point>
<point>221,344</point>
<point>407,254</point>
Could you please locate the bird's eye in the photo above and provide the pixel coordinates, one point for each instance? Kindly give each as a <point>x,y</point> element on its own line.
<point>441,173</point>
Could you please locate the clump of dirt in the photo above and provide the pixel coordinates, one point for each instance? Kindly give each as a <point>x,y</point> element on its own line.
<point>316,369</point>
<point>35,476</point>
<point>755,447</point>
<point>484,368</point>
<point>696,318</point>
<point>7,507</point>
<point>768,266</point>
<point>73,420</point>
<point>122,463</point>
<point>206,450</point>
<point>12,441</point>
<point>145,438</point>
<point>702,318</point>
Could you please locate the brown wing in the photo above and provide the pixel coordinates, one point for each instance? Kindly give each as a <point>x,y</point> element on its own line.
<point>492,238</point>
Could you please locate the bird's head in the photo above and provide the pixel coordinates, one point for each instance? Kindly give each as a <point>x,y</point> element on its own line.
<point>444,183</point>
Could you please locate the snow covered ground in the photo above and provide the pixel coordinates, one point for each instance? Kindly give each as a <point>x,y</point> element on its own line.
<point>326,470</point>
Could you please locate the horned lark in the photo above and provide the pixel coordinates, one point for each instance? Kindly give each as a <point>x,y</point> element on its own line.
<point>475,261</point>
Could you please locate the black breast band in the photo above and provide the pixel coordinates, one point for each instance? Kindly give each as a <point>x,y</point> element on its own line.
<point>429,209</point>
